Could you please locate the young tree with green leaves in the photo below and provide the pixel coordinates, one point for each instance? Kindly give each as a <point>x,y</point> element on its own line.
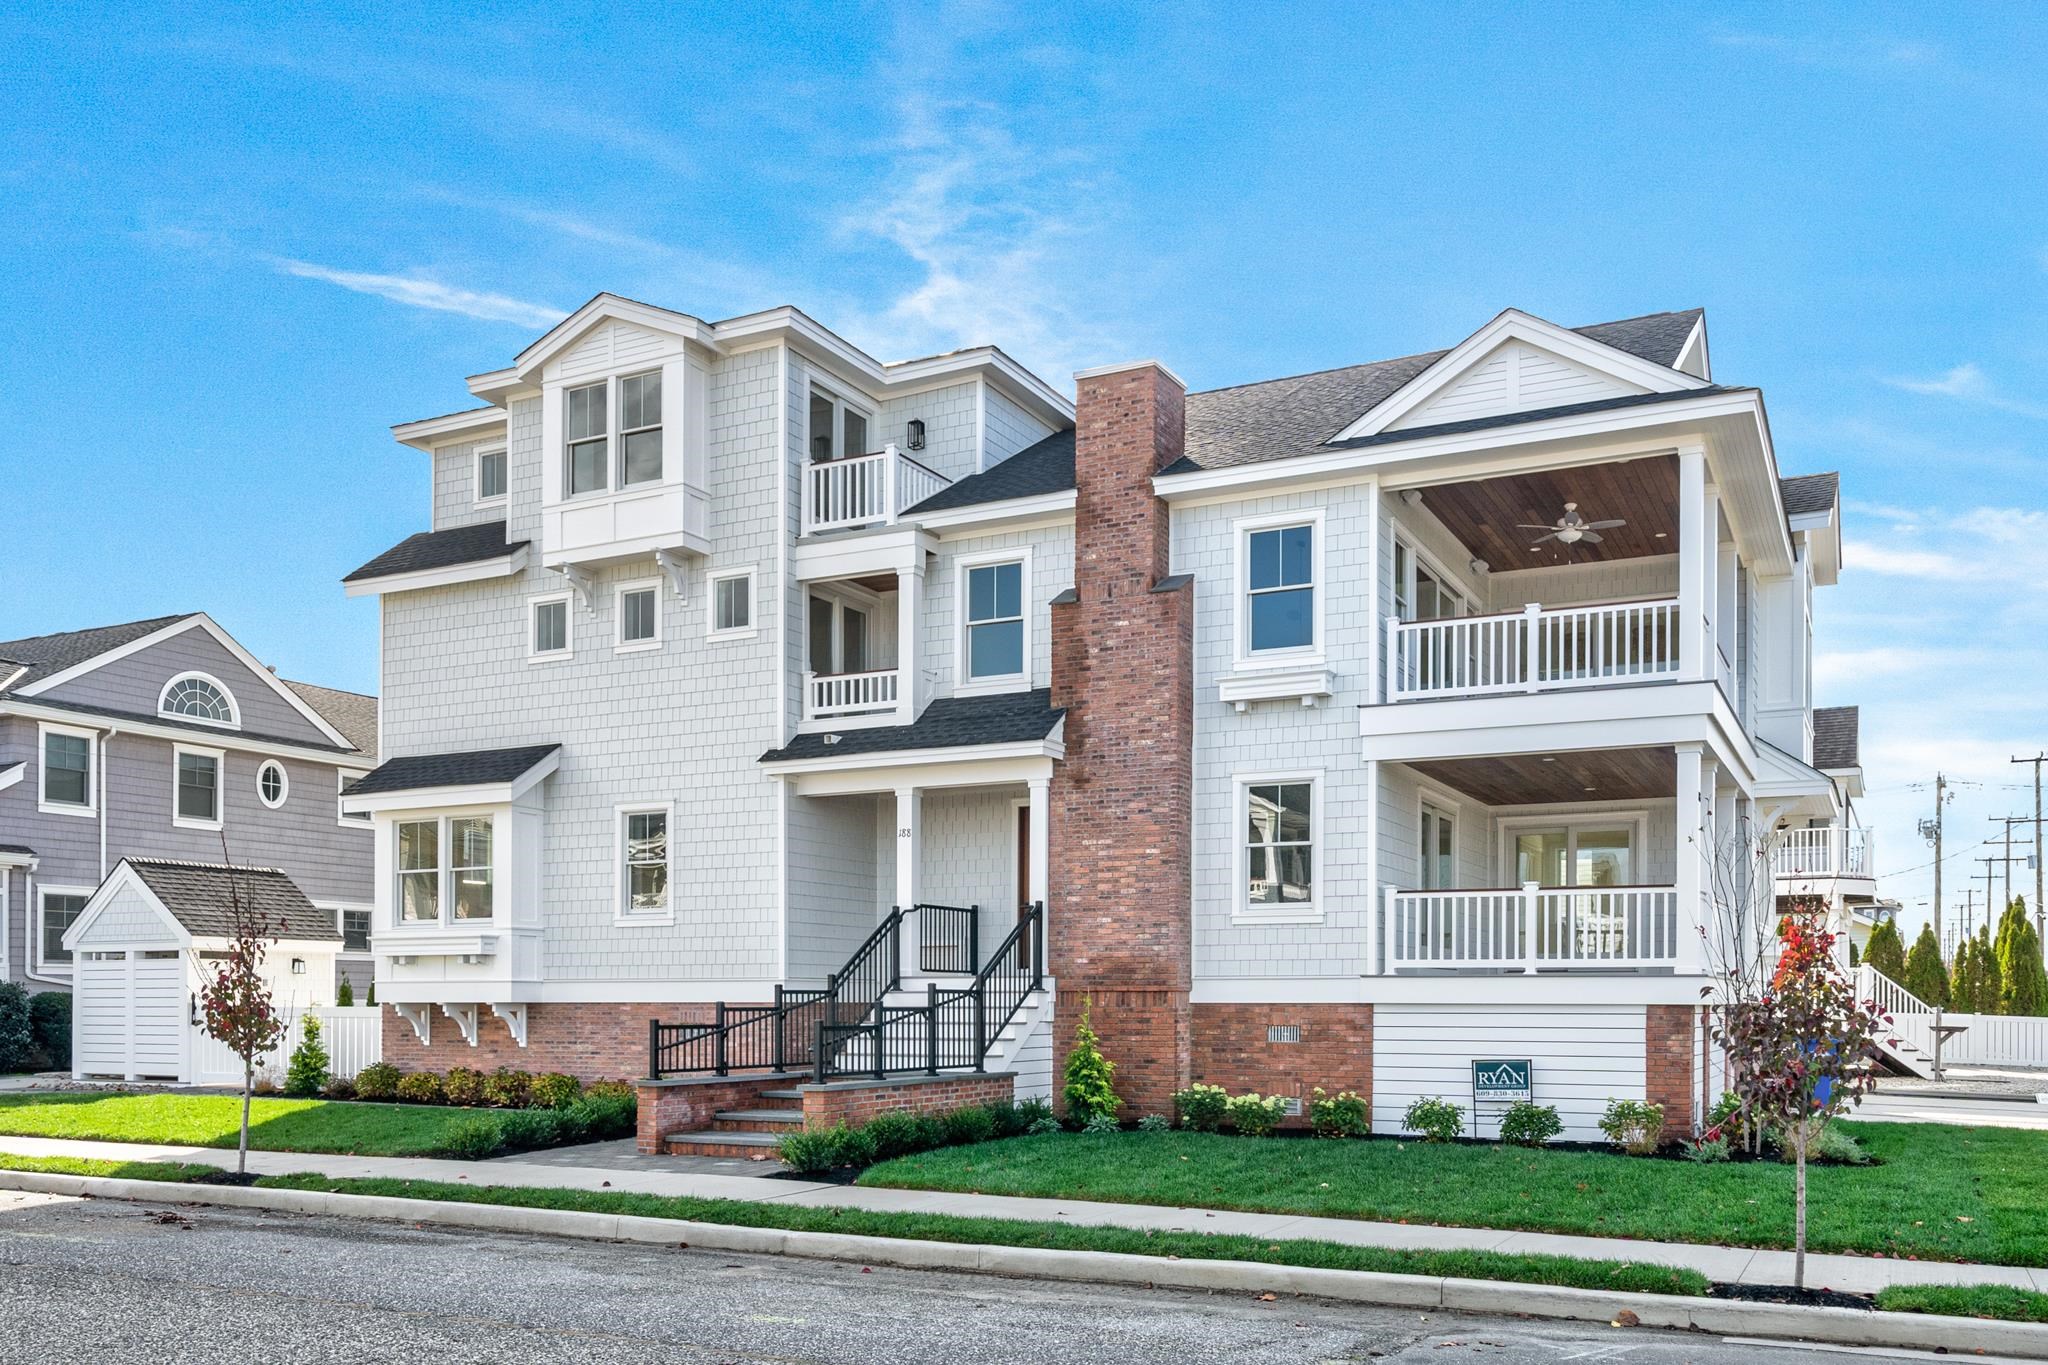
<point>1925,976</point>
<point>1886,952</point>
<point>2022,985</point>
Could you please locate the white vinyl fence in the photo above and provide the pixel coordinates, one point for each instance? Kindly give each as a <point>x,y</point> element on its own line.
<point>353,1036</point>
<point>1986,1040</point>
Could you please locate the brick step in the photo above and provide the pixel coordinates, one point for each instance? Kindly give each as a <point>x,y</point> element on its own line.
<point>756,1120</point>
<point>719,1144</point>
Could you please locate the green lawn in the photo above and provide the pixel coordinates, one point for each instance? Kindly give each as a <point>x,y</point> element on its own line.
<point>215,1121</point>
<point>1966,1301</point>
<point>1944,1193</point>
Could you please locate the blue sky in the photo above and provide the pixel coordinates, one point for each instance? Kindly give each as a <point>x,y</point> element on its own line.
<point>236,251</point>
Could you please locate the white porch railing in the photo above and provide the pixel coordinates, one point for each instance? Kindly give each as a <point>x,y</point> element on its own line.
<point>1831,851</point>
<point>1533,650</point>
<point>1532,929</point>
<point>849,694</point>
<point>865,490</point>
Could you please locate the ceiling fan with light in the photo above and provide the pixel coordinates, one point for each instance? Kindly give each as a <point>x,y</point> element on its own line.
<point>1571,528</point>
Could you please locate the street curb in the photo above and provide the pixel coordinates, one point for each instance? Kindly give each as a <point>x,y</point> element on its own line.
<point>1722,1317</point>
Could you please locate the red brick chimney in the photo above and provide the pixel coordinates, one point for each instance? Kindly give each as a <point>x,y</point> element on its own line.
<point>1123,666</point>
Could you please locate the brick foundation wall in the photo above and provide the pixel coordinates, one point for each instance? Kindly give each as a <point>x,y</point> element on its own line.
<point>1123,666</point>
<point>592,1042</point>
<point>1669,1067</point>
<point>827,1105</point>
<point>1335,1052</point>
<point>687,1106</point>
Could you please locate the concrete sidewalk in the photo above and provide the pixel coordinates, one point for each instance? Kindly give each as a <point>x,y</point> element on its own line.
<point>1736,1265</point>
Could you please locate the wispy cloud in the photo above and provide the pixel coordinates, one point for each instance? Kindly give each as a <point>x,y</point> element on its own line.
<point>416,292</point>
<point>1903,561</point>
<point>1967,383</point>
<point>1834,667</point>
<point>1866,53</point>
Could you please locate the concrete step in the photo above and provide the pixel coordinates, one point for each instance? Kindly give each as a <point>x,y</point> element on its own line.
<point>782,1095</point>
<point>756,1120</point>
<point>719,1144</point>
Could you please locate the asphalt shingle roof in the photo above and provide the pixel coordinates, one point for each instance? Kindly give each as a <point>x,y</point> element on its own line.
<point>1806,493</point>
<point>1835,738</point>
<point>352,713</point>
<point>477,767</point>
<point>23,849</point>
<point>439,550</point>
<point>47,654</point>
<point>947,723</point>
<point>203,897</point>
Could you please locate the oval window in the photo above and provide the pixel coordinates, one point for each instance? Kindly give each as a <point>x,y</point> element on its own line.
<point>271,784</point>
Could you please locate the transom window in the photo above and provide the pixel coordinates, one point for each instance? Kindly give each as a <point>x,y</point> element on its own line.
<point>60,910</point>
<point>584,428</point>
<point>490,476</point>
<point>838,430</point>
<point>67,769</point>
<point>995,621</point>
<point>445,863</point>
<point>640,429</point>
<point>196,800</point>
<point>1279,836</point>
<point>1280,588</point>
<point>193,697</point>
<point>644,869</point>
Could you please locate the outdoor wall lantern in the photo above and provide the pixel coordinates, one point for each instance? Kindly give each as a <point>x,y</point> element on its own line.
<point>914,437</point>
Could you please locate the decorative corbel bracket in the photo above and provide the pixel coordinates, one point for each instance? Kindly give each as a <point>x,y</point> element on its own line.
<point>465,1019</point>
<point>678,570</point>
<point>579,579</point>
<point>421,1017</point>
<point>515,1019</point>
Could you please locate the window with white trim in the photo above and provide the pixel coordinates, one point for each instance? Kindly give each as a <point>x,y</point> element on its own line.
<point>639,615</point>
<point>419,871</point>
<point>994,622</point>
<point>272,786</point>
<point>1279,589</point>
<point>586,452</point>
<point>67,782</point>
<point>58,911</point>
<point>1597,852</point>
<point>640,429</point>
<point>1279,844</point>
<point>194,696</point>
<point>355,930</point>
<point>342,783</point>
<point>1438,848</point>
<point>644,862</point>
<point>491,473</point>
<point>732,603</point>
<point>195,796</point>
<point>838,430</point>
<point>547,628</point>
<point>446,869</point>
<point>1421,591</point>
<point>469,851</point>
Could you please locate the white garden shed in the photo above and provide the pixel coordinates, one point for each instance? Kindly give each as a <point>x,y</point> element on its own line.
<point>152,934</point>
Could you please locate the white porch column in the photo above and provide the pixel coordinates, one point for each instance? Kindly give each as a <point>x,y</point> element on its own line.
<point>909,618</point>
<point>909,864</point>
<point>1695,876</point>
<point>1038,877</point>
<point>1725,609</point>
<point>1692,564</point>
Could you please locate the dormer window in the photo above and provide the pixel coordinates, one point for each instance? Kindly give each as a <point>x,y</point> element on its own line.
<point>194,696</point>
<point>640,429</point>
<point>584,428</point>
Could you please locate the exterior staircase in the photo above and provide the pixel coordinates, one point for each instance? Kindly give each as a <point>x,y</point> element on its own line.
<point>743,1133</point>
<point>1908,1046</point>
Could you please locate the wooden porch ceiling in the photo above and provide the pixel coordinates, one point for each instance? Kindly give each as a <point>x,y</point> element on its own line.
<point>1543,779</point>
<point>1484,514</point>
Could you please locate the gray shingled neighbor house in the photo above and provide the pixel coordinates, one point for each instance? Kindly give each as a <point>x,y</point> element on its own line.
<point>165,739</point>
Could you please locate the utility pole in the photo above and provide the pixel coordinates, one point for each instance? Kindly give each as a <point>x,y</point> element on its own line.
<point>2040,914</point>
<point>1930,830</point>
<point>1988,875</point>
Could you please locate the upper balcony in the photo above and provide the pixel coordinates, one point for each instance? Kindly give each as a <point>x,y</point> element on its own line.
<point>1832,851</point>
<point>857,491</point>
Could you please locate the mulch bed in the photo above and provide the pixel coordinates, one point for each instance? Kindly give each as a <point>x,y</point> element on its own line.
<point>1785,1293</point>
<point>225,1178</point>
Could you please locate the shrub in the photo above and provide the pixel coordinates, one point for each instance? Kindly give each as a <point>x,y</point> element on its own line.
<point>928,1131</point>
<point>1526,1124</point>
<point>377,1081</point>
<point>895,1135</point>
<point>308,1071</point>
<point>507,1088</point>
<point>808,1150</point>
<point>1434,1120</point>
<point>1829,1144</point>
<point>16,1038</point>
<point>1256,1115</point>
<point>370,996</point>
<point>415,1087</point>
<point>472,1137</point>
<point>1155,1123</point>
<point>1046,1126</point>
<point>571,1124</point>
<point>852,1147</point>
<point>344,994</point>
<point>463,1085</point>
<point>49,1024</point>
<point>1344,1114</point>
<point>604,1117</point>
<point>1030,1113</point>
<point>1708,1151</point>
<point>553,1090</point>
<point>1102,1123</point>
<point>1089,1089</point>
<point>1635,1126</point>
<point>973,1124</point>
<point>525,1129</point>
<point>613,1090</point>
<point>1201,1107</point>
<point>339,1090</point>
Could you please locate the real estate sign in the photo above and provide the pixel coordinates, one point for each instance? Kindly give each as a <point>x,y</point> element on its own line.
<point>1502,1082</point>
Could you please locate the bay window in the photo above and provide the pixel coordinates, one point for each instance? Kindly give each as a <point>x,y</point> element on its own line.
<point>584,429</point>
<point>446,869</point>
<point>419,871</point>
<point>469,846</point>
<point>640,429</point>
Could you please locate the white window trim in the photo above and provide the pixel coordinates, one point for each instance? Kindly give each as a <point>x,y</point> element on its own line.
<point>1241,617</point>
<point>476,475</point>
<point>1243,911</point>
<point>1471,599</point>
<point>91,809</point>
<point>362,822</point>
<point>963,686</point>
<point>1637,819</point>
<point>621,913</point>
<point>220,782</point>
<point>568,649</point>
<point>1428,799</point>
<point>444,870</point>
<point>35,933</point>
<point>618,399</point>
<point>751,628</point>
<point>840,403</point>
<point>610,385</point>
<point>621,645</point>
<point>234,720</point>
<point>284,779</point>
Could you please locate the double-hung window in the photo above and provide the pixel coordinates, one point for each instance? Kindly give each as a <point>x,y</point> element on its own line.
<point>196,793</point>
<point>1280,590</point>
<point>446,869</point>
<point>587,467</point>
<point>644,862</point>
<point>995,625</point>
<point>355,931</point>
<point>419,871</point>
<point>469,854</point>
<point>60,909</point>
<point>640,429</point>
<point>1279,845</point>
<point>67,785</point>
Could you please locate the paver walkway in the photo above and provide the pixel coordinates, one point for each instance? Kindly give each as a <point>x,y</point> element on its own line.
<point>1852,1274</point>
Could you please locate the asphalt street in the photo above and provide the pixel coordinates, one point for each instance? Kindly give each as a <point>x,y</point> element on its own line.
<point>105,1280</point>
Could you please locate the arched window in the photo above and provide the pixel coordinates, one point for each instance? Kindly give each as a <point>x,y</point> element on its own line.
<point>194,696</point>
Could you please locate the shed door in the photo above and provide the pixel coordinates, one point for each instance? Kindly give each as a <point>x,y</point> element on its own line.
<point>130,1014</point>
<point>158,1018</point>
<point>99,1005</point>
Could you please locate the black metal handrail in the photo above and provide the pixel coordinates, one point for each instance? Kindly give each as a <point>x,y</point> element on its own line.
<point>949,939</point>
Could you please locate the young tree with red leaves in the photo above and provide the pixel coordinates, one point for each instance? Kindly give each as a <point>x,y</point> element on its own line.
<point>237,1004</point>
